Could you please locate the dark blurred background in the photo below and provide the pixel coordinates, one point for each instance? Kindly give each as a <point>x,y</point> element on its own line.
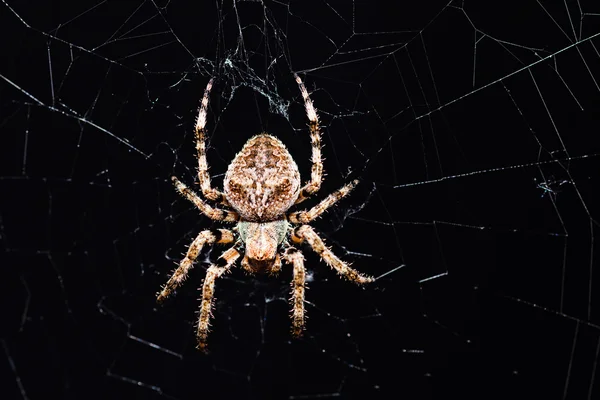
<point>470,125</point>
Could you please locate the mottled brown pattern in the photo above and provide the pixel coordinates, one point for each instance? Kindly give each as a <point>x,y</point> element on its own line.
<point>262,181</point>
<point>261,184</point>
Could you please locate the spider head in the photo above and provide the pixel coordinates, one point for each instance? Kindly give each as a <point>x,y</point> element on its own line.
<point>262,239</point>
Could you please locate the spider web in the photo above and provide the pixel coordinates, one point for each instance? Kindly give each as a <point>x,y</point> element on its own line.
<point>471,126</point>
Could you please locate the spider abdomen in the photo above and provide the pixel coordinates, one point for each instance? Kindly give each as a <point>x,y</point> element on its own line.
<point>262,182</point>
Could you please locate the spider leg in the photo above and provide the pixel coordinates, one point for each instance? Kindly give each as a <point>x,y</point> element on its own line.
<point>316,175</point>
<point>180,274</point>
<point>200,131</point>
<point>224,263</point>
<point>304,217</point>
<point>305,232</point>
<point>213,213</point>
<point>294,257</point>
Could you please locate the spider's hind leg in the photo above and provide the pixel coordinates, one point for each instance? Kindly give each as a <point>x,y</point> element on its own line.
<point>316,175</point>
<point>294,257</point>
<point>224,263</point>
<point>180,274</point>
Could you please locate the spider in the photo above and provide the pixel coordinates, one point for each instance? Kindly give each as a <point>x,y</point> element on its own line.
<point>261,184</point>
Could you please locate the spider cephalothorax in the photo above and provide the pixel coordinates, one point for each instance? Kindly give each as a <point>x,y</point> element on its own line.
<point>261,184</point>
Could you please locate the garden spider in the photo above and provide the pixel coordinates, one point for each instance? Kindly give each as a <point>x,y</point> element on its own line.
<point>261,184</point>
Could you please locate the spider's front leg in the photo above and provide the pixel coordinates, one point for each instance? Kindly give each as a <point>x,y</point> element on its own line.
<point>305,232</point>
<point>294,257</point>
<point>224,263</point>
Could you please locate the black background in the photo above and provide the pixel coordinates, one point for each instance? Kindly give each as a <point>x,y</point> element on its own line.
<point>471,125</point>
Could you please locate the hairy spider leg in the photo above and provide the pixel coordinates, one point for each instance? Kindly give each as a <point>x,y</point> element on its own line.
<point>316,174</point>
<point>224,263</point>
<point>180,274</point>
<point>200,131</point>
<point>304,217</point>
<point>295,257</point>
<point>216,214</point>
<point>306,232</point>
